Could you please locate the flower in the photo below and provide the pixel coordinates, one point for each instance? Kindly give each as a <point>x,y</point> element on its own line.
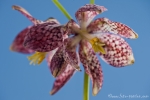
<point>60,43</point>
<point>17,44</point>
<point>95,37</point>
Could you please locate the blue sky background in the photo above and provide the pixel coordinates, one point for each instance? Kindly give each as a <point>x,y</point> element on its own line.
<point>21,81</point>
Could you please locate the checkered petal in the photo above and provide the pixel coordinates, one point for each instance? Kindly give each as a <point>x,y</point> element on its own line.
<point>118,51</point>
<point>62,79</point>
<point>106,25</point>
<point>58,63</point>
<point>17,44</point>
<point>91,65</point>
<point>27,14</point>
<point>71,55</point>
<point>86,13</point>
<point>44,37</point>
<point>69,27</point>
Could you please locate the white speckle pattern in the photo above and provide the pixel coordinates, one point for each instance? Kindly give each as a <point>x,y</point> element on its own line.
<point>91,65</point>
<point>58,63</point>
<point>62,79</point>
<point>106,25</point>
<point>50,35</point>
<point>118,52</point>
<point>71,56</point>
<point>86,13</point>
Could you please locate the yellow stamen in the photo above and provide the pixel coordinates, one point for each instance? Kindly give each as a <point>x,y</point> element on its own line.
<point>97,45</point>
<point>37,57</point>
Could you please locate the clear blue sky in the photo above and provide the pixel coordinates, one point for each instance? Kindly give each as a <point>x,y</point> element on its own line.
<point>21,81</point>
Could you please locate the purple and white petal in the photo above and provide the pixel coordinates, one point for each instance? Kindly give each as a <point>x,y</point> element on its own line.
<point>105,25</point>
<point>17,44</point>
<point>62,79</point>
<point>118,51</point>
<point>44,37</point>
<point>27,14</point>
<point>71,23</point>
<point>71,55</point>
<point>86,13</point>
<point>91,65</point>
<point>58,63</point>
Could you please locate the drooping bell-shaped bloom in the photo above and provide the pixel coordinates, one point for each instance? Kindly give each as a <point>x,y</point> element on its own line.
<point>27,40</point>
<point>101,36</point>
<point>17,44</point>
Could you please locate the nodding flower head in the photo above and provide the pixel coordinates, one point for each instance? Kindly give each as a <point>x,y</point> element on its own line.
<point>101,36</point>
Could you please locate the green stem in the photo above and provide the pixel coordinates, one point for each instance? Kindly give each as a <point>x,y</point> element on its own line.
<point>86,87</point>
<point>92,1</point>
<point>61,8</point>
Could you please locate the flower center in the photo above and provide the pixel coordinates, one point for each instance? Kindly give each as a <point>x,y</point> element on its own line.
<point>37,57</point>
<point>96,43</point>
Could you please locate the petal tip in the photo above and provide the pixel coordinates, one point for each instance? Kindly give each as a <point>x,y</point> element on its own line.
<point>55,73</point>
<point>103,8</point>
<point>95,91</point>
<point>96,88</point>
<point>78,68</point>
<point>11,48</point>
<point>14,7</point>
<point>51,92</point>
<point>133,34</point>
<point>136,36</point>
<point>131,60</point>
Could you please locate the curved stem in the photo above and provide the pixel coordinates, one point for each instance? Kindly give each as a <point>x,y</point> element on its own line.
<point>86,87</point>
<point>92,1</point>
<point>61,8</point>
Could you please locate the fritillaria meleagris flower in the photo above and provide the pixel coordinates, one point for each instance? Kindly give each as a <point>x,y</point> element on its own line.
<point>101,36</point>
<point>33,39</point>
<point>17,44</point>
<point>22,39</point>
